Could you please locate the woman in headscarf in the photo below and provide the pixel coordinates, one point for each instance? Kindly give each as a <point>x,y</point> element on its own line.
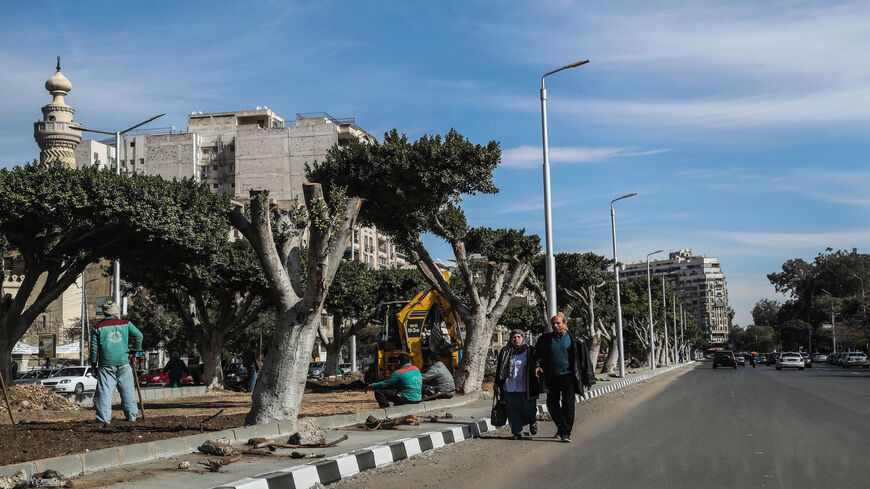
<point>515,379</point>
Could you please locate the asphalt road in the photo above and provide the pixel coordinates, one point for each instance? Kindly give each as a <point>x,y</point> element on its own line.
<point>703,428</point>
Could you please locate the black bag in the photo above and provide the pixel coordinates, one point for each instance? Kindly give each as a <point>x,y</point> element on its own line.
<point>498,416</point>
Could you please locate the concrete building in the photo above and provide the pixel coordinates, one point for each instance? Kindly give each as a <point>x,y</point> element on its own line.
<point>234,152</point>
<point>699,284</point>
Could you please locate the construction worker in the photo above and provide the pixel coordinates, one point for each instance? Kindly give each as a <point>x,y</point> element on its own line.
<point>176,369</point>
<point>109,357</point>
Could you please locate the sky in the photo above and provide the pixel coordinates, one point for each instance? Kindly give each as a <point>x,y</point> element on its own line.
<point>741,125</point>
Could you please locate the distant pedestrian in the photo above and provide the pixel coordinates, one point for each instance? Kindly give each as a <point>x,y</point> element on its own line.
<point>253,363</point>
<point>403,387</point>
<point>682,357</point>
<point>176,369</point>
<point>564,361</point>
<point>110,358</point>
<point>14,367</point>
<point>519,384</point>
<point>437,378</point>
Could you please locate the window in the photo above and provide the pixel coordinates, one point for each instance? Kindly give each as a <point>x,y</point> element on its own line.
<point>141,161</point>
<point>214,186</point>
<point>132,144</point>
<point>214,167</point>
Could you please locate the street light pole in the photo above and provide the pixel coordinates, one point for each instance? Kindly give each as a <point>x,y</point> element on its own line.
<point>616,273</point>
<point>682,334</point>
<point>548,217</point>
<point>833,329</point>
<point>864,309</point>
<point>652,338</point>
<point>665,323</point>
<point>116,266</point>
<point>676,343</point>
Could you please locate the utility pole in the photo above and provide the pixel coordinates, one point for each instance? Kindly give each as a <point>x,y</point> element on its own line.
<point>665,323</point>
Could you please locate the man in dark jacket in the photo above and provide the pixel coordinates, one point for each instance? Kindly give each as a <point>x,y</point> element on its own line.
<point>564,361</point>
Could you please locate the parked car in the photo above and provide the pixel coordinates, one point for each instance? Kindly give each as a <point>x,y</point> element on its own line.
<point>820,357</point>
<point>316,370</point>
<point>790,360</point>
<point>34,376</point>
<point>855,359</point>
<point>724,358</point>
<point>236,375</point>
<point>740,359</point>
<point>808,362</point>
<point>72,379</point>
<point>156,378</point>
<point>833,357</point>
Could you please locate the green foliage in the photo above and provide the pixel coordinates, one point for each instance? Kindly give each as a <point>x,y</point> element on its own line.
<point>406,184</point>
<point>502,245</point>
<point>765,312</point>
<point>352,292</point>
<point>525,318</point>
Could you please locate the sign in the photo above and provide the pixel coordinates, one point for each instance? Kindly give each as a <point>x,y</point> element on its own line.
<point>99,305</point>
<point>47,343</point>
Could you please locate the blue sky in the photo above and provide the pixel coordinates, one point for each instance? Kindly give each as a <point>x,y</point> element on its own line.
<point>742,125</point>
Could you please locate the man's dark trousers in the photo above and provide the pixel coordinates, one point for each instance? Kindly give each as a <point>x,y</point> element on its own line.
<point>386,396</point>
<point>560,402</point>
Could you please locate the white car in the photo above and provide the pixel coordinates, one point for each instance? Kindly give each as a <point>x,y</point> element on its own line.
<point>855,359</point>
<point>790,360</point>
<point>72,379</point>
<point>820,358</point>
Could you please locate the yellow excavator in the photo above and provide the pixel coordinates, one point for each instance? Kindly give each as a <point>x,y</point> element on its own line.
<point>426,323</point>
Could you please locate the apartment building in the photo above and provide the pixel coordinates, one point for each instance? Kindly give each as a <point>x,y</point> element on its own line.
<point>234,152</point>
<point>700,285</point>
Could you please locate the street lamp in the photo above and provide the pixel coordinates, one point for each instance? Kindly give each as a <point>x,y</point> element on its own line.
<point>682,333</point>
<point>548,218</point>
<point>676,343</point>
<point>616,273</point>
<point>652,339</point>
<point>117,264</point>
<point>665,322</point>
<point>833,330</point>
<point>864,309</point>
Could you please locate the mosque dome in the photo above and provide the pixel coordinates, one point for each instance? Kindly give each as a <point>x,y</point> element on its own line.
<point>57,82</point>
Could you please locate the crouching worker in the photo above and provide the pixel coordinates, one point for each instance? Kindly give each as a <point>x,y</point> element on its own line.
<point>403,387</point>
<point>110,349</point>
<point>437,379</point>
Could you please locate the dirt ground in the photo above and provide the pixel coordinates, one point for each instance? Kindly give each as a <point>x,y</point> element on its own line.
<point>54,432</point>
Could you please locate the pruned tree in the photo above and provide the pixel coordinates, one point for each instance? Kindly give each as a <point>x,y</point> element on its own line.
<point>60,220</point>
<point>298,285</point>
<point>415,188</point>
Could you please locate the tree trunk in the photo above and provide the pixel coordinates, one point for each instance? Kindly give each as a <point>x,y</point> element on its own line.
<point>333,357</point>
<point>6,359</point>
<point>478,341</point>
<point>212,369</point>
<point>611,363</point>
<point>279,388</point>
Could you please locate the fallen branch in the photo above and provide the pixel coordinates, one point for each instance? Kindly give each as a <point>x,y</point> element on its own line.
<point>372,423</point>
<point>206,420</point>
<point>306,455</point>
<point>269,443</point>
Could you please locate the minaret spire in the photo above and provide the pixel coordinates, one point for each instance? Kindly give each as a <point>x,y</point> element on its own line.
<point>56,134</point>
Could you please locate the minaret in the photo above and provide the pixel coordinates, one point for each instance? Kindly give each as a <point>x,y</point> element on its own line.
<point>56,133</point>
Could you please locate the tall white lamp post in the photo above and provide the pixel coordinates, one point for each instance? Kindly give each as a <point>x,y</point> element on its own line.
<point>548,218</point>
<point>616,273</point>
<point>652,337</point>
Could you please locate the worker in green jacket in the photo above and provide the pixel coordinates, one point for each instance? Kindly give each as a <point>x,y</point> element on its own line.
<point>110,358</point>
<point>403,387</point>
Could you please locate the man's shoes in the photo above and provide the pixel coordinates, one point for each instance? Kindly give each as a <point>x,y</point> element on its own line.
<point>558,434</point>
<point>566,438</point>
<point>533,429</point>
<point>518,436</point>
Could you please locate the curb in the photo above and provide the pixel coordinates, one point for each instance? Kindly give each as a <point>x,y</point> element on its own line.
<point>85,463</point>
<point>150,394</point>
<point>347,465</point>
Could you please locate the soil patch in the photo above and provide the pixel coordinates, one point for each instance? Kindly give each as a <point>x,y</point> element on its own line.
<point>50,433</point>
<point>31,397</point>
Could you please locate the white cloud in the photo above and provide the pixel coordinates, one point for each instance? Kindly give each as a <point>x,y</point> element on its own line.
<point>532,156</point>
<point>798,241</point>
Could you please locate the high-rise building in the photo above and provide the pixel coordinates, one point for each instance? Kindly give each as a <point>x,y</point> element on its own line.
<point>234,152</point>
<point>700,285</point>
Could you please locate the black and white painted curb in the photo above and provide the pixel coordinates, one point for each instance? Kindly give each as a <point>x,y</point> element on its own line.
<point>346,465</point>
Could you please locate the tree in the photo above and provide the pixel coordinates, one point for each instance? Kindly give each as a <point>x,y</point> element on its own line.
<point>765,311</point>
<point>414,188</point>
<point>298,286</point>
<point>61,219</point>
<point>523,318</point>
<point>215,297</point>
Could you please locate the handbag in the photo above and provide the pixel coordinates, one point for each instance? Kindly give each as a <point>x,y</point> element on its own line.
<point>498,416</point>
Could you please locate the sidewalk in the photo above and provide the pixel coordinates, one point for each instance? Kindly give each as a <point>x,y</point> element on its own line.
<point>362,450</point>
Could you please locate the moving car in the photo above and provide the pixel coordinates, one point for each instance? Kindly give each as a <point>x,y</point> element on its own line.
<point>855,359</point>
<point>316,370</point>
<point>790,360</point>
<point>772,357</point>
<point>808,362</point>
<point>820,357</point>
<point>34,376</point>
<point>72,379</point>
<point>741,360</point>
<point>724,358</point>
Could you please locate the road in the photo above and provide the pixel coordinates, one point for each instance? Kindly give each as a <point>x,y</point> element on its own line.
<point>695,428</point>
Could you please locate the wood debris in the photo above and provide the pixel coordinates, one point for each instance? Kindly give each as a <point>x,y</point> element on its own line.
<point>306,455</point>
<point>436,418</point>
<point>216,448</point>
<point>272,444</point>
<point>372,423</point>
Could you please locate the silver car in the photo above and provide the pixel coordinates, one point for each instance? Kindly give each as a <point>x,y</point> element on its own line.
<point>820,357</point>
<point>790,360</point>
<point>855,359</point>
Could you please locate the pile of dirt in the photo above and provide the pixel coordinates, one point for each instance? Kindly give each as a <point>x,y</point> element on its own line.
<point>31,397</point>
<point>348,381</point>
